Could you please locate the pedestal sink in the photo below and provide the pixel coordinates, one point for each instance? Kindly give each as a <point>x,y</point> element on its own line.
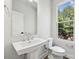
<point>30,48</point>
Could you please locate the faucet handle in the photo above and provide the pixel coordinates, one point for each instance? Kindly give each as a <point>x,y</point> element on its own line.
<point>26,33</point>
<point>18,37</point>
<point>30,36</point>
<point>22,32</point>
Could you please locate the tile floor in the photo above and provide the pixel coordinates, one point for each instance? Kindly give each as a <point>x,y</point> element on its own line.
<point>63,57</point>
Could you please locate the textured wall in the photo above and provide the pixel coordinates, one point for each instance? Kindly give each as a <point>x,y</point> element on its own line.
<point>44,18</point>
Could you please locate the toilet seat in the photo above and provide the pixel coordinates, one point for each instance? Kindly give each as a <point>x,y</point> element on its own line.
<point>57,50</point>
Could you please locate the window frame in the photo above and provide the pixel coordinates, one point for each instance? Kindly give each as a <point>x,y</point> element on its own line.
<point>63,2</point>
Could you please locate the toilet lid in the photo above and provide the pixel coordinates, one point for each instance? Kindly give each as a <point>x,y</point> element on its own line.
<point>58,49</point>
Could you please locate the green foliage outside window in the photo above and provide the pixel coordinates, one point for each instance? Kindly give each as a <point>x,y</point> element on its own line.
<point>66,23</point>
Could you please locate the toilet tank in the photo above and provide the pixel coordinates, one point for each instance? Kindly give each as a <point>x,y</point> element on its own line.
<point>50,42</point>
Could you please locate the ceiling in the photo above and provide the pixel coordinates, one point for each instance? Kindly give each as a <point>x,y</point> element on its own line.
<point>34,4</point>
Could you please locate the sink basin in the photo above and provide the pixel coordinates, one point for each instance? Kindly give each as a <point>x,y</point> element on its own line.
<point>23,47</point>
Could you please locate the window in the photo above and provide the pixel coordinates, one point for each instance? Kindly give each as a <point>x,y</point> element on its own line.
<point>66,21</point>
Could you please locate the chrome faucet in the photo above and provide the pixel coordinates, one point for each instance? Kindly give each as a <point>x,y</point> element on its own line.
<point>22,35</point>
<point>30,37</point>
<point>26,36</point>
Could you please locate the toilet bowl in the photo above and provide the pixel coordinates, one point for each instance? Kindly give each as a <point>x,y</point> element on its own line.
<point>56,52</point>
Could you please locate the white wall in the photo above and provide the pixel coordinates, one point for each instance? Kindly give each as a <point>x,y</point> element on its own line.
<point>9,52</point>
<point>29,12</point>
<point>63,43</point>
<point>43,21</point>
<point>44,18</point>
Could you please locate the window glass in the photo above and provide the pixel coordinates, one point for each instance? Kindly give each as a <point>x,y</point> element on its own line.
<point>66,21</point>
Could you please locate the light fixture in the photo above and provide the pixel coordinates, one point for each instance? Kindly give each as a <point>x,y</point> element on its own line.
<point>35,0</point>
<point>31,0</point>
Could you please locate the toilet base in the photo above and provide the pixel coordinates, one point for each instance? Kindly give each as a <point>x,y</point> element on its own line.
<point>54,57</point>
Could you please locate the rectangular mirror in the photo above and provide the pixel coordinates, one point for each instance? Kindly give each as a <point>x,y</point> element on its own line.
<point>24,16</point>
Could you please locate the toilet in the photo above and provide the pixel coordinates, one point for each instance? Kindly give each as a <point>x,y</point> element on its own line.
<point>55,52</point>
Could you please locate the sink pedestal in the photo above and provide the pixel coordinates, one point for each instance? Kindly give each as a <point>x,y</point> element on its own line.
<point>33,55</point>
